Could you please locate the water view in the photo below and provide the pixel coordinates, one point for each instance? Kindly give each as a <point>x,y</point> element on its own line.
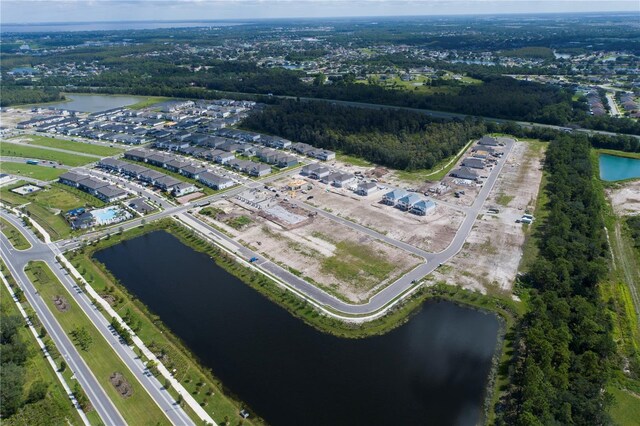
<point>108,26</point>
<point>613,168</point>
<point>432,370</point>
<point>95,103</point>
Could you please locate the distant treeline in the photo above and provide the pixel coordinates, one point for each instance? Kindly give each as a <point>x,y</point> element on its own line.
<point>17,95</point>
<point>563,355</point>
<point>393,138</point>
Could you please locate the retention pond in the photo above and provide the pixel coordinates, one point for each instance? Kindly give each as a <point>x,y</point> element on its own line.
<point>432,370</point>
<point>613,167</point>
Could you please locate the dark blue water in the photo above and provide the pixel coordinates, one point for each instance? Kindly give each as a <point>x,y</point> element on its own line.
<point>614,168</point>
<point>430,371</point>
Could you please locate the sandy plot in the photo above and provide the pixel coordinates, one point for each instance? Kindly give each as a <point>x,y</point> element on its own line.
<point>12,116</point>
<point>333,256</point>
<point>625,198</point>
<point>433,232</point>
<point>490,258</point>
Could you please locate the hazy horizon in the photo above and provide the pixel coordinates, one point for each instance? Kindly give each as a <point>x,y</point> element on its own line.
<point>17,12</point>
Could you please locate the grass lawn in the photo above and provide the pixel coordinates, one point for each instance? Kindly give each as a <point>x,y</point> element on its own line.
<point>45,205</point>
<point>156,336</point>
<point>356,161</point>
<point>81,147</point>
<point>16,238</point>
<point>139,408</point>
<point>13,150</point>
<point>504,199</point>
<point>31,171</point>
<point>625,411</point>
<point>435,173</point>
<point>37,368</point>
<point>149,101</point>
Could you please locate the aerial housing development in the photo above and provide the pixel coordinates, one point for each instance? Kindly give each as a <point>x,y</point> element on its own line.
<point>322,221</point>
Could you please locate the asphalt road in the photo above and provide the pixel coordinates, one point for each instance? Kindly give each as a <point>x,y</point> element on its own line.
<point>47,253</point>
<point>94,391</point>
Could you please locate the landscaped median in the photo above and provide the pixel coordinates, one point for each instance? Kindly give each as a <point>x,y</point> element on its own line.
<point>15,237</point>
<point>126,393</point>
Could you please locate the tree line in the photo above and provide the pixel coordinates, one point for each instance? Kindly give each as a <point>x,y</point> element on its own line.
<point>393,138</point>
<point>564,353</point>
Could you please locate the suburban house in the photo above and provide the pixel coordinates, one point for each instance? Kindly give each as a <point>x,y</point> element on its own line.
<point>175,165</point>
<point>111,164</point>
<point>224,157</point>
<point>284,161</point>
<point>465,173</point>
<point>320,173</point>
<point>423,207</point>
<point>323,154</point>
<point>137,154</point>
<point>408,201</point>
<point>192,171</point>
<point>392,197</point>
<point>309,168</point>
<point>215,181</point>
<point>259,170</point>
<point>111,193</point>
<point>342,179</point>
<point>150,176</point>
<point>474,163</point>
<point>488,141</point>
<point>71,178</point>
<point>183,188</point>
<point>366,188</point>
<point>166,183</point>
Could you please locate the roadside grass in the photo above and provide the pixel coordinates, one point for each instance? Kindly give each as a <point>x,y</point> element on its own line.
<point>139,408</point>
<point>504,199</point>
<point>15,237</point>
<point>68,145</point>
<point>437,172</point>
<point>355,161</point>
<point>45,206</point>
<point>37,368</point>
<point>356,263</point>
<point>149,101</point>
<point>158,338</point>
<point>13,150</point>
<point>625,411</point>
<point>239,222</point>
<point>30,170</point>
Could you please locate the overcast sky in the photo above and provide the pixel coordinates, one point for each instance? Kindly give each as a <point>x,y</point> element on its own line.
<point>23,11</point>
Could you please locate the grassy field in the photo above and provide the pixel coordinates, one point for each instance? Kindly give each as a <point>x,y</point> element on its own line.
<point>350,259</point>
<point>356,161</point>
<point>155,335</point>
<point>18,241</point>
<point>149,101</point>
<point>81,147</point>
<point>13,150</point>
<point>625,411</point>
<point>31,171</point>
<point>137,409</point>
<point>37,368</point>
<point>45,205</point>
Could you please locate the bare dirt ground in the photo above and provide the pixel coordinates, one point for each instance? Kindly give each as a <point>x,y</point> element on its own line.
<point>625,198</point>
<point>12,116</point>
<point>186,198</point>
<point>490,258</point>
<point>339,259</point>
<point>121,384</point>
<point>433,232</point>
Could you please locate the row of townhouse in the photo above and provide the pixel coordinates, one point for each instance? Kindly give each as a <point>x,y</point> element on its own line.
<point>98,188</point>
<point>407,201</point>
<point>326,175</point>
<point>193,171</point>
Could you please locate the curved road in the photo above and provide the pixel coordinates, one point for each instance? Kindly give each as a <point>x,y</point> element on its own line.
<point>47,253</point>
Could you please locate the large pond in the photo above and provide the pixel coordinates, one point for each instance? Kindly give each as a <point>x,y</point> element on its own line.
<point>95,103</point>
<point>432,370</point>
<point>614,168</point>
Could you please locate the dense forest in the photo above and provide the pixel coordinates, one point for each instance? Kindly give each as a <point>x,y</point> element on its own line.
<point>398,139</point>
<point>563,357</point>
<point>21,404</point>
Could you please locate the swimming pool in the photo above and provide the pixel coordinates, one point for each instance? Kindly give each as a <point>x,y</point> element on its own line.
<point>109,215</point>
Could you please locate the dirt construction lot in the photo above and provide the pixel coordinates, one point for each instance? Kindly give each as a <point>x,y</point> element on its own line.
<point>625,198</point>
<point>433,232</point>
<point>490,258</point>
<point>343,261</point>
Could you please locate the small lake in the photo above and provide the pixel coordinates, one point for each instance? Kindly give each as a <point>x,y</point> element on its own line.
<point>94,103</point>
<point>432,370</point>
<point>613,168</point>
